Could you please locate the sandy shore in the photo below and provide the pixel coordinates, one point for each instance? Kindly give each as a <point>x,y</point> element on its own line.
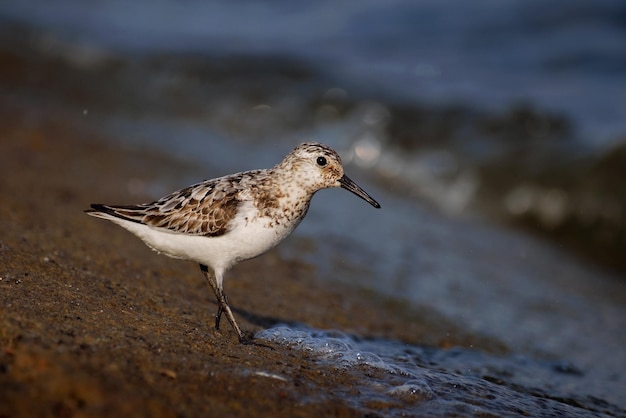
<point>92,323</point>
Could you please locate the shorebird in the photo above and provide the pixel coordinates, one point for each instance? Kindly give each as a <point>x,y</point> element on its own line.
<point>220,222</point>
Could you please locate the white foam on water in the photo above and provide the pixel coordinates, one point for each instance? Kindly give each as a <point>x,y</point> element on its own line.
<point>441,382</point>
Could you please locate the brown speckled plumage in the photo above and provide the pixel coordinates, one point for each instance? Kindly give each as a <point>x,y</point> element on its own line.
<point>205,208</point>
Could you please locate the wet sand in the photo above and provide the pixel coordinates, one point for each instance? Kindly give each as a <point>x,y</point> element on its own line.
<point>93,323</point>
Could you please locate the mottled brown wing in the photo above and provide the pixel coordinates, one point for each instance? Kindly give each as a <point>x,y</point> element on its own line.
<point>206,208</point>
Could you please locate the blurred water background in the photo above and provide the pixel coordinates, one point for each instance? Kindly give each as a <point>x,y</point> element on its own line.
<point>492,132</point>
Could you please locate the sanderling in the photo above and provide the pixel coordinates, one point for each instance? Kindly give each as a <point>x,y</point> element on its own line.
<point>220,222</point>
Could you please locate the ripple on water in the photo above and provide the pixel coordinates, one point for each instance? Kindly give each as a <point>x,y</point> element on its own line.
<point>397,378</point>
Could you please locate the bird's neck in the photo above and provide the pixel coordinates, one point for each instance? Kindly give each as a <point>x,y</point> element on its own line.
<point>293,194</point>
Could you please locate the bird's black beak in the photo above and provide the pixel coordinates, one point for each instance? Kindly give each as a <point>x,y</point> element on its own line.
<point>348,184</point>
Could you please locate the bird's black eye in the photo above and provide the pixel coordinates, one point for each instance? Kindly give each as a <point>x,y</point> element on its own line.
<point>321,161</point>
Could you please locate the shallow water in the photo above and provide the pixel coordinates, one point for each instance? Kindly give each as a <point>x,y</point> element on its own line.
<point>408,379</point>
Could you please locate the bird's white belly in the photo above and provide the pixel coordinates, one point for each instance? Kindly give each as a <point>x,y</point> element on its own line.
<point>247,239</point>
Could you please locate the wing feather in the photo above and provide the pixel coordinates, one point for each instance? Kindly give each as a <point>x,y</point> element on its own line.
<point>206,208</point>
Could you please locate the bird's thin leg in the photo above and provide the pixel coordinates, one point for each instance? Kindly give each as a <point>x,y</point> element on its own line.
<point>216,290</point>
<point>218,315</point>
<point>222,303</point>
<point>220,311</point>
